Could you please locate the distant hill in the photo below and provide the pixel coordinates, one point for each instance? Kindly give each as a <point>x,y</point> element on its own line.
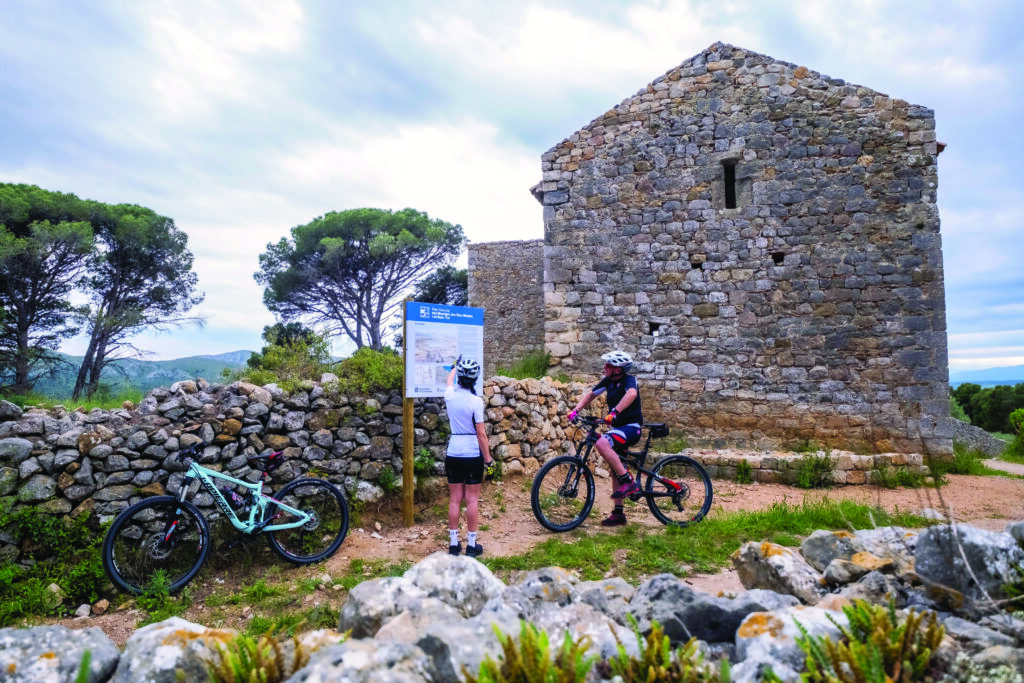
<point>1010,375</point>
<point>144,375</point>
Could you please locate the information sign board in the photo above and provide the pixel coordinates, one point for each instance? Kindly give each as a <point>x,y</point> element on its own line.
<point>435,336</point>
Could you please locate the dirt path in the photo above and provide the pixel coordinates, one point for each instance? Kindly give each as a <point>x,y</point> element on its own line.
<point>508,528</point>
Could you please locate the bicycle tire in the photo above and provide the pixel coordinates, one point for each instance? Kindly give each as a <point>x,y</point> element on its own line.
<point>554,495</point>
<point>323,535</point>
<point>156,534</point>
<point>684,506</point>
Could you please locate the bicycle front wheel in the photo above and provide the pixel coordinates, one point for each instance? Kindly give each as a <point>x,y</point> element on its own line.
<point>157,535</point>
<point>322,534</point>
<point>679,491</point>
<point>562,494</point>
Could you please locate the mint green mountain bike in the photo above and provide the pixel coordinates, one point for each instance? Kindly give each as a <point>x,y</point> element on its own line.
<point>305,522</point>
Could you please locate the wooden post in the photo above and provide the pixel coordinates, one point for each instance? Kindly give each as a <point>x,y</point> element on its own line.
<point>408,483</point>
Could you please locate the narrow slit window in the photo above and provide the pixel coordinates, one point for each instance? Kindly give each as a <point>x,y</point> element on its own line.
<point>729,170</point>
<point>653,328</point>
<point>778,257</point>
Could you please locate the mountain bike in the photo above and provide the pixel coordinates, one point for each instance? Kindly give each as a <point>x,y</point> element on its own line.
<point>304,522</point>
<point>677,489</point>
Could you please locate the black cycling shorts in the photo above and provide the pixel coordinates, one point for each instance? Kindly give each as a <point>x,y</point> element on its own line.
<point>464,470</point>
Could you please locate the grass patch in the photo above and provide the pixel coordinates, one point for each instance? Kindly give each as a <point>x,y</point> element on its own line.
<point>360,570</point>
<point>703,548</point>
<point>965,461</point>
<point>744,473</point>
<point>533,365</point>
<point>889,478</point>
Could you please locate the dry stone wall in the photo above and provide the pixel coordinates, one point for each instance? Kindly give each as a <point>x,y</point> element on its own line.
<point>765,240</point>
<point>506,279</point>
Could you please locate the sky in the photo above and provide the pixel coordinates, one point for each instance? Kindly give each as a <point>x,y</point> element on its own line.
<point>242,119</point>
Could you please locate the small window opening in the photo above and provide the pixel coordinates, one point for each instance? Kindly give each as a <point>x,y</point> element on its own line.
<point>652,328</point>
<point>694,265</point>
<point>729,169</point>
<point>778,257</point>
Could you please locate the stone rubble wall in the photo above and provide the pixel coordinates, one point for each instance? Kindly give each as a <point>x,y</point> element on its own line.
<point>506,279</point>
<point>71,463</point>
<point>977,438</point>
<point>814,310</point>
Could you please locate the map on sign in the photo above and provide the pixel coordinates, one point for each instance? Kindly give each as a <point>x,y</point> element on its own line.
<point>435,336</point>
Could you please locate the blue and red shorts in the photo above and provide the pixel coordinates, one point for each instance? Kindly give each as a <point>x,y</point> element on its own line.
<point>623,436</point>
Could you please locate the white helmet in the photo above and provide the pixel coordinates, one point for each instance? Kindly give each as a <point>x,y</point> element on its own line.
<point>467,369</point>
<point>619,359</point>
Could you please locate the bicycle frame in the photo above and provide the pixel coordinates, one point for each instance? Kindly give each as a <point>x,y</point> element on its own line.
<point>258,506</point>
<point>635,459</point>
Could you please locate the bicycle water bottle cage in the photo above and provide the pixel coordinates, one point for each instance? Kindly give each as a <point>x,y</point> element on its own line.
<point>266,463</point>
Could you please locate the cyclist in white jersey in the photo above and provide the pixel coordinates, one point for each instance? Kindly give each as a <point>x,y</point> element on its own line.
<point>468,454</point>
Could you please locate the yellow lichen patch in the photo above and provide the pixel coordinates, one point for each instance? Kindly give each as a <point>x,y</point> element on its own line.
<point>759,623</point>
<point>11,668</point>
<point>769,549</point>
<point>871,562</point>
<point>834,602</point>
<point>182,638</point>
<point>48,655</point>
<point>842,533</point>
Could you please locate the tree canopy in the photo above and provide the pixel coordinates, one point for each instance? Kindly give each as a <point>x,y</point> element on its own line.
<point>44,245</point>
<point>348,271</point>
<point>446,285</point>
<point>132,264</point>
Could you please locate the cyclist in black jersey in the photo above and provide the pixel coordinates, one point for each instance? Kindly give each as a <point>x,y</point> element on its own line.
<point>625,417</point>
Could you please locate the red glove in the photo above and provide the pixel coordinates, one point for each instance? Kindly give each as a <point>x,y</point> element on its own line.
<point>610,417</point>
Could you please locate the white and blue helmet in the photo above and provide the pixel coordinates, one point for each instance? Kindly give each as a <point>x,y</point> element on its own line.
<point>619,359</point>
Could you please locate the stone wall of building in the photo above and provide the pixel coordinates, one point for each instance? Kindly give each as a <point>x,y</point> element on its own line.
<point>506,279</point>
<point>765,241</point>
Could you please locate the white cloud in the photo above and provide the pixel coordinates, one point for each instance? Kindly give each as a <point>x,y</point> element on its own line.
<point>462,172</point>
<point>202,50</point>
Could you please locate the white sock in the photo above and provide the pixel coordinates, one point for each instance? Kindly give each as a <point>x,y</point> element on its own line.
<point>453,537</point>
<point>471,539</point>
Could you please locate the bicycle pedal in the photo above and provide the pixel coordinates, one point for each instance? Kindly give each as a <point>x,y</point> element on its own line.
<point>636,496</point>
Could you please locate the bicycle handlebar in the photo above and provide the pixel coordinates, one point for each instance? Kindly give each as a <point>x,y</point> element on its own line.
<point>190,452</point>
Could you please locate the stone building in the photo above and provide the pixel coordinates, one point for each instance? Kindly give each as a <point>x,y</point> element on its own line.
<point>765,241</point>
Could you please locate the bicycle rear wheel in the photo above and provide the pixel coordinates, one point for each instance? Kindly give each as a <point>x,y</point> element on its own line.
<point>562,494</point>
<point>679,491</point>
<point>322,535</point>
<point>158,534</point>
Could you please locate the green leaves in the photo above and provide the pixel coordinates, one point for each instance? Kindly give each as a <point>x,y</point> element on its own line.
<point>348,271</point>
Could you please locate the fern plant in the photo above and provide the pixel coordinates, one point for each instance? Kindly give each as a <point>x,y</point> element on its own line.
<point>659,662</point>
<point>243,659</point>
<point>530,659</point>
<point>876,647</point>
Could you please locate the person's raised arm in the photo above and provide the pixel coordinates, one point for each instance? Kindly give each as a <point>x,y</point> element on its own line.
<point>581,404</point>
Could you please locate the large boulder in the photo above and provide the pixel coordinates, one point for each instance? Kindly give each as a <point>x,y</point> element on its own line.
<point>456,580</point>
<point>780,569</point>
<point>954,556</point>
<point>54,653</point>
<point>171,651</point>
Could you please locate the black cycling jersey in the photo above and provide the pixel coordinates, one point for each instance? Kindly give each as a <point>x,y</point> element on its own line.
<point>616,389</point>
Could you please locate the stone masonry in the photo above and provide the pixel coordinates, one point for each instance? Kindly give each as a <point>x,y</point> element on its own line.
<point>765,241</point>
<point>508,276</point>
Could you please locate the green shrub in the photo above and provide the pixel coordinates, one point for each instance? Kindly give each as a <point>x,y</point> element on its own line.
<point>956,411</point>
<point>530,659</point>
<point>659,662</point>
<point>388,481</point>
<point>890,478</point>
<point>533,365</point>
<point>367,371</point>
<point>423,463</point>
<point>876,646</point>
<point>814,471</point>
<point>744,473</point>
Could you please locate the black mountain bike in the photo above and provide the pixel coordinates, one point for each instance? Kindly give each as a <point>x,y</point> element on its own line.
<point>678,489</point>
<point>305,522</point>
